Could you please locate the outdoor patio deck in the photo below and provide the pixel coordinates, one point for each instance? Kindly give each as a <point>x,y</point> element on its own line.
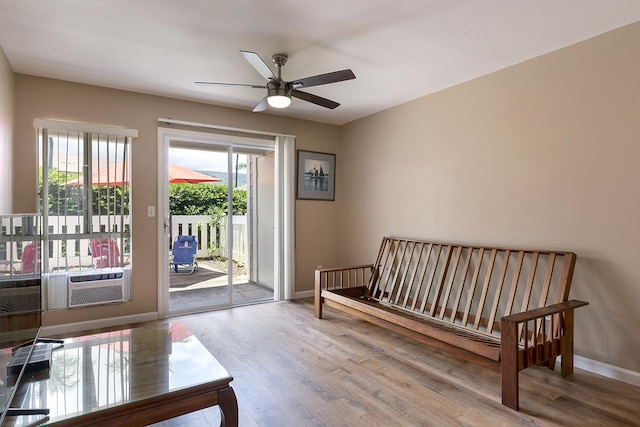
<point>207,288</point>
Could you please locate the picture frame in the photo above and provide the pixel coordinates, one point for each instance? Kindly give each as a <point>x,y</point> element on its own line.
<point>316,176</point>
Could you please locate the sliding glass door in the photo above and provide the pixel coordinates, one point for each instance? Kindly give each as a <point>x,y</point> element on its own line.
<point>224,202</point>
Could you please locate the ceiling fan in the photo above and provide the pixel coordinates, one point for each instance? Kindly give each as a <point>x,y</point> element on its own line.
<point>279,91</point>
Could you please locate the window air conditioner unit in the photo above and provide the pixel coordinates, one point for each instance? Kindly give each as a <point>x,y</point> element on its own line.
<point>96,287</point>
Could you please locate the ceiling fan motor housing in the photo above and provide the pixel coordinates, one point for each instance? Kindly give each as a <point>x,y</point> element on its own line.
<point>275,88</point>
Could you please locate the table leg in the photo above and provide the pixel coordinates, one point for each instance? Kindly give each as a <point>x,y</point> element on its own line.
<point>228,407</point>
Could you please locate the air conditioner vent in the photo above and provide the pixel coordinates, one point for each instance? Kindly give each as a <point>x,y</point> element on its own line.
<point>95,277</point>
<point>96,287</point>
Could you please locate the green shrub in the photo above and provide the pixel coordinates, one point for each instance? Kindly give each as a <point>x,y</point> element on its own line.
<point>205,199</point>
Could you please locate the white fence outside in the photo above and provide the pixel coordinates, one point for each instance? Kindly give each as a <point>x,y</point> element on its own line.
<point>209,237</point>
<point>68,249</point>
<point>68,246</point>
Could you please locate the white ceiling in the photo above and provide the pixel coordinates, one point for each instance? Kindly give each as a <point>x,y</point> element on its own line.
<point>399,49</point>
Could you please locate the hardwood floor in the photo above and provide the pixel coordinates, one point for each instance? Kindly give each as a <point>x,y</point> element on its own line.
<point>291,369</point>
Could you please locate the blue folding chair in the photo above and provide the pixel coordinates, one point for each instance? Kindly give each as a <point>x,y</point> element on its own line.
<point>183,253</point>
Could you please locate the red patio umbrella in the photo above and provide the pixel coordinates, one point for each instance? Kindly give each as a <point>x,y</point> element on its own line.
<point>178,174</point>
<point>115,176</point>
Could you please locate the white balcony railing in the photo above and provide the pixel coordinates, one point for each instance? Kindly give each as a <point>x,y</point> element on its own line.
<point>67,249</point>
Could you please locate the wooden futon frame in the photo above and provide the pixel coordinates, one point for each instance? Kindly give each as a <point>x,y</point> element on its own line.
<point>505,309</point>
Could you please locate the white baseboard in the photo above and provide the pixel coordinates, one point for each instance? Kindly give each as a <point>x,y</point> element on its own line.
<point>97,324</point>
<point>609,371</point>
<point>303,294</point>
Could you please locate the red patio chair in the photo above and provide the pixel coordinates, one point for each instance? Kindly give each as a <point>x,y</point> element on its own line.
<point>105,253</point>
<point>30,258</point>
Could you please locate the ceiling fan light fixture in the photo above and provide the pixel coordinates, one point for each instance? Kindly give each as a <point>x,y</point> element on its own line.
<point>279,97</point>
<point>279,101</point>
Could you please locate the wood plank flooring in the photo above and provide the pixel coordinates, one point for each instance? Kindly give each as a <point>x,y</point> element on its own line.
<point>291,369</point>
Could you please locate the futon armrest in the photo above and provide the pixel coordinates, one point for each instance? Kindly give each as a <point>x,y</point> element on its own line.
<point>526,341</point>
<point>353,267</point>
<point>340,278</point>
<point>343,277</point>
<point>537,313</point>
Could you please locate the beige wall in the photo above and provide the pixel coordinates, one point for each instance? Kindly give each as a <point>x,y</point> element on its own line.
<point>6,132</point>
<point>45,98</point>
<point>543,154</point>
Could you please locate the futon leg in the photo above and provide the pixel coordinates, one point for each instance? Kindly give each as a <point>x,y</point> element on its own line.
<point>509,364</point>
<point>566,359</point>
<point>510,388</point>
<point>317,298</point>
<point>318,308</point>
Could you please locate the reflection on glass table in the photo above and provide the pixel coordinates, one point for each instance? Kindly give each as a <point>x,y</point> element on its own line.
<point>128,374</point>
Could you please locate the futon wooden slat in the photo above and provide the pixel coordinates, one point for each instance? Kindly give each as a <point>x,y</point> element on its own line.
<point>447,294</point>
<point>474,281</point>
<point>498,293</point>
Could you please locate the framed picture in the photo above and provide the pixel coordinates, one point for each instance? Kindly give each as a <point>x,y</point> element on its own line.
<point>316,175</point>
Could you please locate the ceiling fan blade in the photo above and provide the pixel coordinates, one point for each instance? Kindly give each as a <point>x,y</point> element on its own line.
<point>315,99</point>
<point>257,63</point>
<point>262,105</point>
<point>323,79</point>
<point>231,84</point>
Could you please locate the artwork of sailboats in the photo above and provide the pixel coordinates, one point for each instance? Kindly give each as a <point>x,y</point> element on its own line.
<point>316,175</point>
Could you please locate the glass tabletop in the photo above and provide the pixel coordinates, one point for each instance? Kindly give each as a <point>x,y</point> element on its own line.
<point>94,372</point>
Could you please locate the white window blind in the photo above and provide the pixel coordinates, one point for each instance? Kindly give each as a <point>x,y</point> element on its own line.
<point>84,179</point>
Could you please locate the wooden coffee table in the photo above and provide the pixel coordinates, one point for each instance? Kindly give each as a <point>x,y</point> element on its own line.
<point>135,376</point>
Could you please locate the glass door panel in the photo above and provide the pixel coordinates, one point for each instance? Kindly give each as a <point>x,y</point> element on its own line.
<point>253,228</point>
<point>198,208</point>
<point>264,219</point>
<point>230,215</point>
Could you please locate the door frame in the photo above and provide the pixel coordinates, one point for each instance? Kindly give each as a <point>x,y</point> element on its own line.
<point>284,203</point>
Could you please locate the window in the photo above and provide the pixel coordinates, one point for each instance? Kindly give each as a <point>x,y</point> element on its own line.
<point>84,179</point>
